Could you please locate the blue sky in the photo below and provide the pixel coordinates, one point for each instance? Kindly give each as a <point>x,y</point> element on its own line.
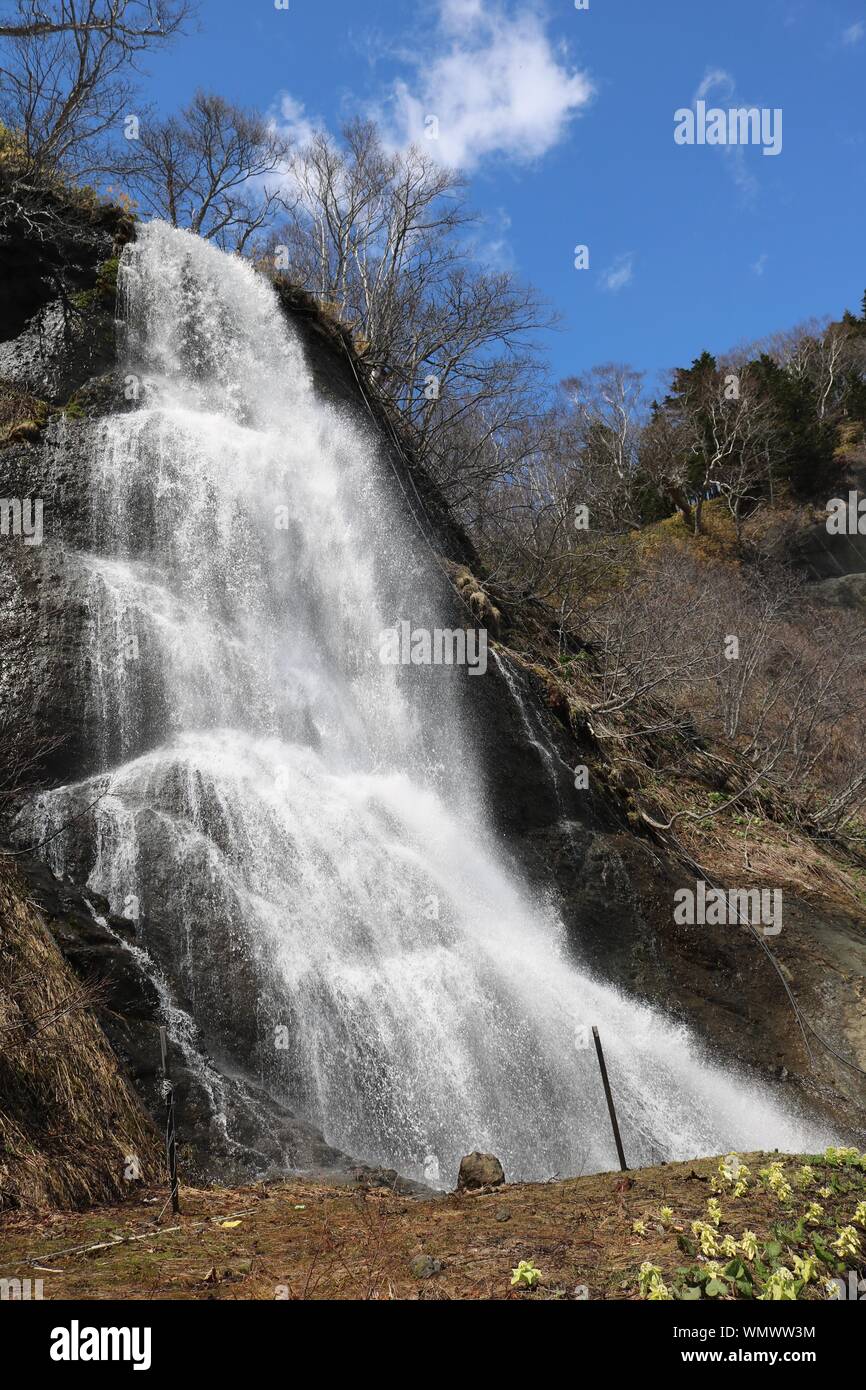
<point>564,119</point>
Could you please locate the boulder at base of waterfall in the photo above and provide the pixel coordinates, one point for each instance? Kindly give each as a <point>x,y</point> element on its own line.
<point>480,1170</point>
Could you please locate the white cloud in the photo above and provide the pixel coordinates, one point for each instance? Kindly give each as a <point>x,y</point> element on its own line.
<point>760,264</point>
<point>496,84</point>
<point>620,274</point>
<point>292,120</point>
<point>720,82</point>
<point>457,15</point>
<point>489,245</point>
<point>854,33</point>
<point>716,77</point>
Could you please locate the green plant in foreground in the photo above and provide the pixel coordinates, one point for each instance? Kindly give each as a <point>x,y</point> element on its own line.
<point>651,1284</point>
<point>733,1177</point>
<point>806,1268</point>
<point>706,1235</point>
<point>848,1242</point>
<point>525,1276</point>
<point>780,1286</point>
<point>773,1176</point>
<point>802,1256</point>
<point>844,1158</point>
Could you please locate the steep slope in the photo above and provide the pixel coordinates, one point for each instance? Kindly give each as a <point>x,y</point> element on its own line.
<point>526,731</point>
<point>72,1131</point>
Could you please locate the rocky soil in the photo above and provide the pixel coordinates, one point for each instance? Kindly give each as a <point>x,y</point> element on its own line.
<point>587,1238</point>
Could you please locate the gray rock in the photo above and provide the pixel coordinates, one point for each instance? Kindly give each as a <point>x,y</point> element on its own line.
<point>847,591</point>
<point>56,353</point>
<point>822,555</point>
<point>480,1170</point>
<point>424,1266</point>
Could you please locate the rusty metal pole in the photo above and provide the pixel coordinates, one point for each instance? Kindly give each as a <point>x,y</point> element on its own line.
<point>170,1133</point>
<point>609,1098</point>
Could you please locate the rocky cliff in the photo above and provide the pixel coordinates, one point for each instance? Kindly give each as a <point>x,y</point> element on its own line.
<point>610,875</point>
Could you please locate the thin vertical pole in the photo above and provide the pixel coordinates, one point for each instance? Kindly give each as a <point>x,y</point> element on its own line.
<point>170,1133</point>
<point>609,1098</point>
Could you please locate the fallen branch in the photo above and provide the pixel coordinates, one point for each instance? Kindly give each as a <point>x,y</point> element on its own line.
<point>100,1245</point>
<point>125,1240</point>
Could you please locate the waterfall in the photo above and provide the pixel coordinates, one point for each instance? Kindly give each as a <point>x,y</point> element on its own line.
<point>303,826</point>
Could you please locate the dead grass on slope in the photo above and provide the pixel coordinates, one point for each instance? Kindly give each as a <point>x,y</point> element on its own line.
<point>305,1240</point>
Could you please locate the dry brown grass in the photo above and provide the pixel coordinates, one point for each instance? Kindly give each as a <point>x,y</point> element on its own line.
<point>22,415</point>
<point>303,1240</point>
<point>68,1119</point>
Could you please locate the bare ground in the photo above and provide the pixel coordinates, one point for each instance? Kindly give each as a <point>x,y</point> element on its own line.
<point>314,1240</point>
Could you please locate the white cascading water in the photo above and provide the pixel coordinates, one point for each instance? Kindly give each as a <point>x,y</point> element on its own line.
<point>310,821</point>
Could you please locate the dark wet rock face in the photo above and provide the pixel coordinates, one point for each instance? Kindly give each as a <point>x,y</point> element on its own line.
<point>58,351</point>
<point>265,1138</point>
<point>613,889</point>
<point>823,556</point>
<point>51,338</point>
<point>49,612</point>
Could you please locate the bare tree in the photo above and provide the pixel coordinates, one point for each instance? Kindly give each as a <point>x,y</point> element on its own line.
<point>754,614</point>
<point>527,527</point>
<point>137,22</point>
<point>656,636</point>
<point>607,414</point>
<point>66,79</point>
<point>831,358</point>
<point>371,232</point>
<point>799,708</point>
<point>742,447</point>
<point>208,169</point>
<point>664,459</point>
<point>819,353</point>
<point>722,427</point>
<point>383,239</point>
<point>786,697</point>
